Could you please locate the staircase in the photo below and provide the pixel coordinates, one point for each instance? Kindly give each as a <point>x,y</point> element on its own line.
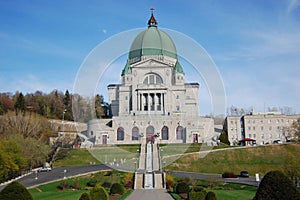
<point>149,174</point>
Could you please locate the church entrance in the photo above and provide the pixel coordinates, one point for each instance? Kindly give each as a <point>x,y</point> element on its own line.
<point>104,139</point>
<point>195,138</point>
<point>150,135</point>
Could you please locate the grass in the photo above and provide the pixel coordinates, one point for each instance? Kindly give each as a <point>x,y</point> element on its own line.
<point>74,157</point>
<point>51,191</point>
<point>255,160</point>
<point>233,194</point>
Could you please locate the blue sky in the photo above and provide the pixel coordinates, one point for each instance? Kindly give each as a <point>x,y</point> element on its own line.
<point>254,44</point>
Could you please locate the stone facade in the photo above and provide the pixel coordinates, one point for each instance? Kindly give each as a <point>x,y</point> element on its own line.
<point>153,102</point>
<point>263,128</point>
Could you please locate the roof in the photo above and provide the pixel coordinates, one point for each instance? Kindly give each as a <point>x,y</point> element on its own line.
<point>152,42</point>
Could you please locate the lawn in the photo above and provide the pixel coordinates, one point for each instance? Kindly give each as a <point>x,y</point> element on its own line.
<point>74,157</point>
<point>234,194</point>
<point>53,191</point>
<point>255,160</point>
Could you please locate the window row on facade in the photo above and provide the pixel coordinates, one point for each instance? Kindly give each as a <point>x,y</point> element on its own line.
<point>164,132</point>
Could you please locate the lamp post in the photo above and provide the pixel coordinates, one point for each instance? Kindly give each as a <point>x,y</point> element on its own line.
<point>65,171</point>
<point>36,175</point>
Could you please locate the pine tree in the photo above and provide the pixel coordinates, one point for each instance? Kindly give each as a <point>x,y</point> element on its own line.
<point>20,105</point>
<point>98,106</point>
<point>224,138</point>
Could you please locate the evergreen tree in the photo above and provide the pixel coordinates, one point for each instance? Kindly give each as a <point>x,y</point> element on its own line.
<point>15,190</point>
<point>1,108</point>
<point>275,185</point>
<point>224,138</point>
<point>20,105</point>
<point>98,106</point>
<point>68,106</point>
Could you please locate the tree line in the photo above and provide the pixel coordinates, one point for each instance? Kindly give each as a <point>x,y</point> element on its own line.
<point>25,129</point>
<point>54,105</point>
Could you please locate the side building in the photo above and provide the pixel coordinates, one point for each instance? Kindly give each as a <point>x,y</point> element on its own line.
<point>258,128</point>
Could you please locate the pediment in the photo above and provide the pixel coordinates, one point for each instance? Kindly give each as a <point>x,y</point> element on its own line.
<point>151,63</point>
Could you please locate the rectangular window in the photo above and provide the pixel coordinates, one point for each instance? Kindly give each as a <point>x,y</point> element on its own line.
<point>249,128</point>
<point>254,135</point>
<point>250,135</point>
<point>262,128</point>
<point>151,79</point>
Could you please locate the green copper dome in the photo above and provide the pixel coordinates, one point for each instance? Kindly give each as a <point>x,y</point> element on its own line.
<point>152,42</point>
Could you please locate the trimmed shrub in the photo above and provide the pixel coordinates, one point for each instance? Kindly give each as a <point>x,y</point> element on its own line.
<point>198,189</point>
<point>92,183</point>
<point>84,196</point>
<point>169,181</point>
<point>128,180</point>
<point>197,195</point>
<point>117,188</point>
<point>99,193</point>
<point>106,184</point>
<point>275,185</point>
<point>182,188</point>
<point>15,190</point>
<point>211,196</point>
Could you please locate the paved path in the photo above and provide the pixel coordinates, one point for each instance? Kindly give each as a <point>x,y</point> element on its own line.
<point>150,194</point>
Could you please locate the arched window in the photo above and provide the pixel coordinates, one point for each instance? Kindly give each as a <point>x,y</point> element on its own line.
<point>165,133</point>
<point>120,133</point>
<point>135,133</point>
<point>152,79</point>
<point>179,133</point>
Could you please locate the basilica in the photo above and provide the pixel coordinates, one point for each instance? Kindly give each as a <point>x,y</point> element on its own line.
<point>153,103</point>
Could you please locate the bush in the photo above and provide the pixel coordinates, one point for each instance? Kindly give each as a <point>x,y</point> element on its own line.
<point>106,184</point>
<point>76,184</point>
<point>98,193</point>
<point>169,181</point>
<point>275,185</point>
<point>182,188</point>
<point>92,183</point>
<point>117,188</point>
<point>84,196</point>
<point>128,180</point>
<point>198,189</point>
<point>210,196</point>
<point>15,190</point>
<point>63,185</point>
<point>197,195</point>
<point>229,175</point>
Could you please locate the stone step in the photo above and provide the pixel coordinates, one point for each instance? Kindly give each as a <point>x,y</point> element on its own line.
<point>158,181</point>
<point>138,181</point>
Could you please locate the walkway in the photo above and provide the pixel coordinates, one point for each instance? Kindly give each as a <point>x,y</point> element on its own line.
<point>150,194</point>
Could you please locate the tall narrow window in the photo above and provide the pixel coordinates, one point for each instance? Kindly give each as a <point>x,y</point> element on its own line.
<point>135,133</point>
<point>179,133</point>
<point>165,133</point>
<point>120,133</point>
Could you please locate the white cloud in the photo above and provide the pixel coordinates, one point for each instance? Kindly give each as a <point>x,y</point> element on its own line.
<point>293,4</point>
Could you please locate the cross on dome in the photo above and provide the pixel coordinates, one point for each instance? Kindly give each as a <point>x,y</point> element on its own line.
<point>152,21</point>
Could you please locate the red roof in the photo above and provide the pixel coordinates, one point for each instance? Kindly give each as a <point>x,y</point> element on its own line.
<point>247,139</point>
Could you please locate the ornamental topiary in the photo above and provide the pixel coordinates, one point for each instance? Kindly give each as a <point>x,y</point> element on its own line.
<point>182,188</point>
<point>211,196</point>
<point>275,185</point>
<point>15,190</point>
<point>98,193</point>
<point>117,188</point>
<point>84,196</point>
